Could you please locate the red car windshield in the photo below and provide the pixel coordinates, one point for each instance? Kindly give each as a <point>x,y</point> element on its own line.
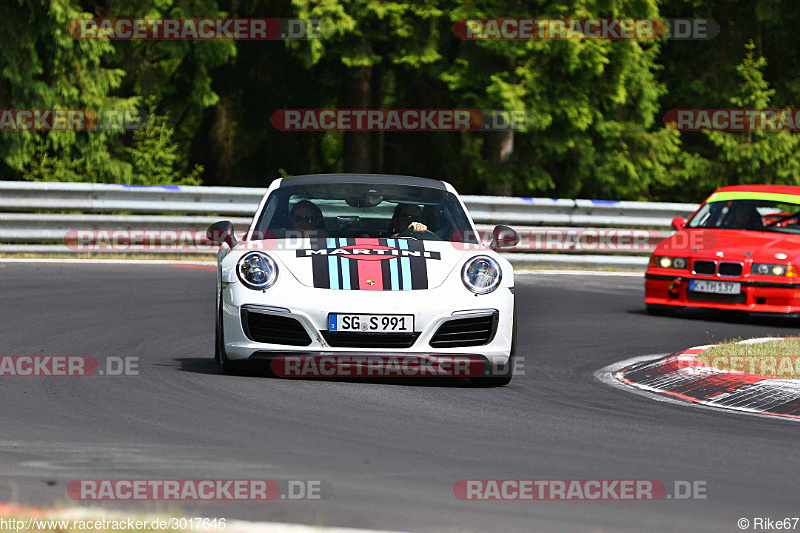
<point>752,215</point>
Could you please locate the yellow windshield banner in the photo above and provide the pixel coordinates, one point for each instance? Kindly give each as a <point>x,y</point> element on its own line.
<point>745,195</point>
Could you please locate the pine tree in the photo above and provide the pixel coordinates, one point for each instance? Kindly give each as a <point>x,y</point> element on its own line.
<point>760,156</point>
<point>155,154</point>
<point>44,67</point>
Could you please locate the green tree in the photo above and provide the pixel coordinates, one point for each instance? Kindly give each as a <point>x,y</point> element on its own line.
<point>179,73</point>
<point>593,104</point>
<point>703,75</point>
<point>43,67</point>
<point>761,156</point>
<point>372,45</point>
<point>155,156</point>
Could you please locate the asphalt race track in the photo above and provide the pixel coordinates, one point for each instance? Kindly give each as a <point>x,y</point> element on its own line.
<point>391,452</point>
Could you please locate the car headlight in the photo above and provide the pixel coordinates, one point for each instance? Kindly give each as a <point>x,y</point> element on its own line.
<point>257,270</point>
<point>765,269</point>
<point>481,274</point>
<point>668,262</point>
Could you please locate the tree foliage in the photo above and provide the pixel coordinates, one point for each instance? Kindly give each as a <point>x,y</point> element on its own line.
<point>43,67</point>
<point>595,107</point>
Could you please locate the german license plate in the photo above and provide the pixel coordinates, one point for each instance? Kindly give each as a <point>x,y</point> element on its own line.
<point>715,287</point>
<point>370,323</point>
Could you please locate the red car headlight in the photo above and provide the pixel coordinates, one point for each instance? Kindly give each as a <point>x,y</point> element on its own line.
<point>662,261</point>
<point>765,269</point>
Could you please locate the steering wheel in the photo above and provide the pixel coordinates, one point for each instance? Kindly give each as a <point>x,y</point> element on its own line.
<point>408,232</point>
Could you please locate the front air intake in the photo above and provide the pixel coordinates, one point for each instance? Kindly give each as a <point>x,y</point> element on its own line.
<point>273,329</point>
<point>705,268</point>
<point>733,270</point>
<point>346,339</point>
<point>469,331</point>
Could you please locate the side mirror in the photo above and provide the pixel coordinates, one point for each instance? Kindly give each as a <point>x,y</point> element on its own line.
<point>220,232</point>
<point>678,223</point>
<point>503,237</point>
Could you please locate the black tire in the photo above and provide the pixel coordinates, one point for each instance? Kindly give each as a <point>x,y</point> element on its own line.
<point>501,379</point>
<point>227,366</point>
<point>661,310</point>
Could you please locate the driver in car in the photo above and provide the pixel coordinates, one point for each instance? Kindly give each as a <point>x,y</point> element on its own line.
<point>306,218</point>
<point>745,216</point>
<point>406,217</point>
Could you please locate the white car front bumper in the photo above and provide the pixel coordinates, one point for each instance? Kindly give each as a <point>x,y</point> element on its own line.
<point>311,306</point>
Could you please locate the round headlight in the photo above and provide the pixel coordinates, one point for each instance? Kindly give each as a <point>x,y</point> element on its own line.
<point>680,262</point>
<point>665,262</point>
<point>481,274</point>
<point>763,269</point>
<point>778,270</point>
<point>257,270</point>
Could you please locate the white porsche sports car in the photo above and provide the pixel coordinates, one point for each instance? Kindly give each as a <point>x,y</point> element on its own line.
<point>365,271</point>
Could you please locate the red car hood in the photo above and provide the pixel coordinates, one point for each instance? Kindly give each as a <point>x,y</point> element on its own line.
<point>734,244</point>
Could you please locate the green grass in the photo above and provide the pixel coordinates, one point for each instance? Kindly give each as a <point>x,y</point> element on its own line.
<point>779,358</point>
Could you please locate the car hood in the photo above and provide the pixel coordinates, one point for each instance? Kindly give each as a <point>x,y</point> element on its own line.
<point>369,264</point>
<point>734,244</point>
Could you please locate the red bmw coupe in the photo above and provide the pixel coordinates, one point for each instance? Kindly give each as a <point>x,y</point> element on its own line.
<point>740,250</point>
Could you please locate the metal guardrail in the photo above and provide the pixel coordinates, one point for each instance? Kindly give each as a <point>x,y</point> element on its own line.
<point>25,197</point>
<point>32,218</point>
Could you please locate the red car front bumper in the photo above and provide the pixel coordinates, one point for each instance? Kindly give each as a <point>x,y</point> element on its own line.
<point>671,288</point>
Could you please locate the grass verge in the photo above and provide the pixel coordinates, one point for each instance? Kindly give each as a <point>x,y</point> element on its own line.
<point>778,358</point>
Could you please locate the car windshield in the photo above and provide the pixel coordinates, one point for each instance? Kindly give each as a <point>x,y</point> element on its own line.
<point>749,214</point>
<point>353,210</point>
